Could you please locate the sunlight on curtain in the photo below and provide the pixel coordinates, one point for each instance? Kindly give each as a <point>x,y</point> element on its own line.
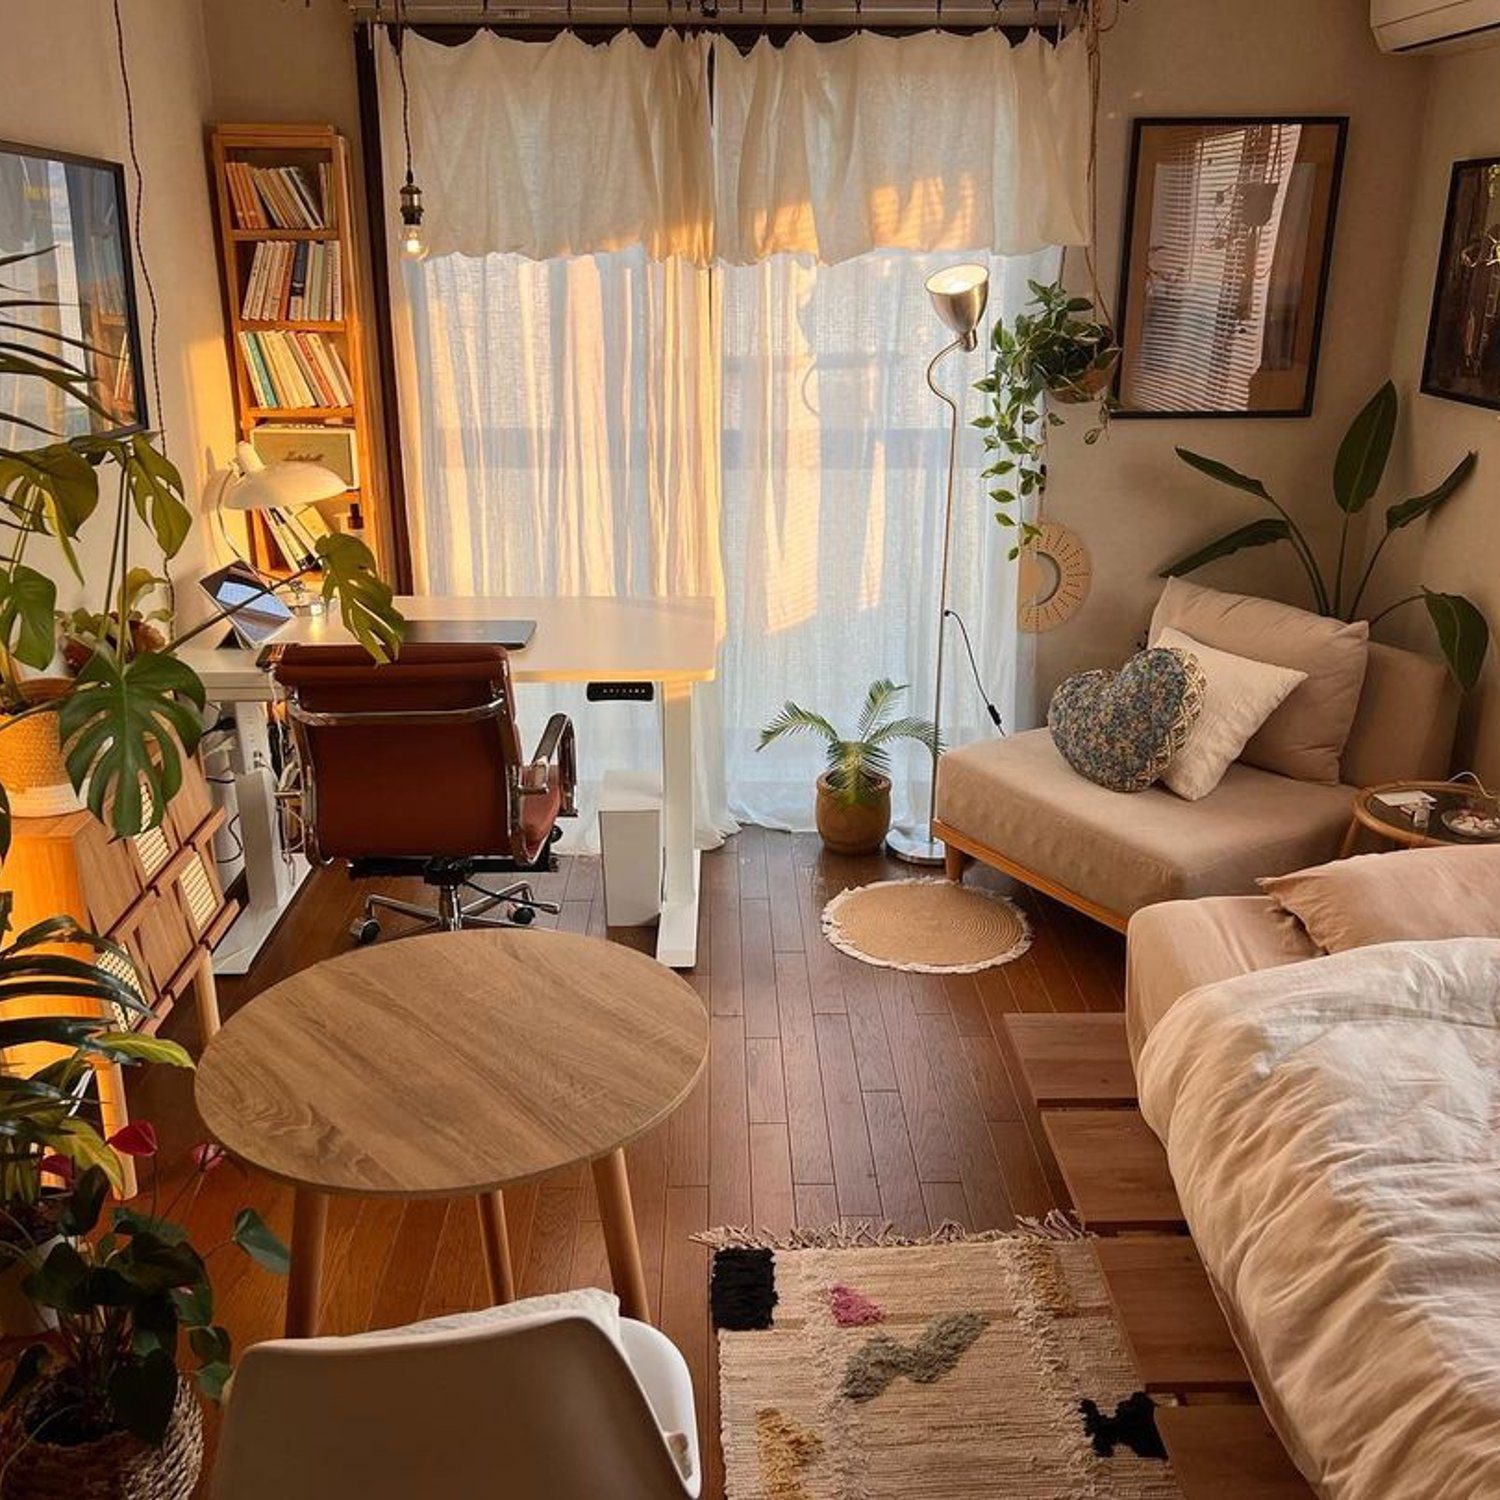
<point>560,423</point>
<point>834,453</point>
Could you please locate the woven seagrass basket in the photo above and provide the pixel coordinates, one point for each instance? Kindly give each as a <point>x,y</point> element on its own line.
<point>32,769</point>
<point>117,1467</point>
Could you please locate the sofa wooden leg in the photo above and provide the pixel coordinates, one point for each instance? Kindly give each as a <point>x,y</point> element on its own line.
<point>954,860</point>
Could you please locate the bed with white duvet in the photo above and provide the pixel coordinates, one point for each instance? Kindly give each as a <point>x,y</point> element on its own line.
<point>1333,1128</point>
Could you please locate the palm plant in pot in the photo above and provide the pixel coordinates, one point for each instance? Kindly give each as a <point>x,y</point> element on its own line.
<point>854,791</point>
<point>1056,350</point>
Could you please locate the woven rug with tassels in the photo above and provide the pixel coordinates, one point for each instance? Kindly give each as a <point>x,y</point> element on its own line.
<point>858,1365</point>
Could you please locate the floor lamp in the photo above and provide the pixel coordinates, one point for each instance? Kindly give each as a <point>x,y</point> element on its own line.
<point>959,293</point>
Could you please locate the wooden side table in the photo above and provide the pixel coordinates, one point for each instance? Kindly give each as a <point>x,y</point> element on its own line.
<point>453,1065</point>
<point>1369,813</point>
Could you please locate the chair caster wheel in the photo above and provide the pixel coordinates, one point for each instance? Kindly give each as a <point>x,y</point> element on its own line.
<point>364,930</point>
<point>523,916</point>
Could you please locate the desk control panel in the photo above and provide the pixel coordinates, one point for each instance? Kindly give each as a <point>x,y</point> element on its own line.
<point>621,692</point>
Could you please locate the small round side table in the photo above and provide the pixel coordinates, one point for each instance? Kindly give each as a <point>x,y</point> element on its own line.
<point>453,1065</point>
<point>1396,825</point>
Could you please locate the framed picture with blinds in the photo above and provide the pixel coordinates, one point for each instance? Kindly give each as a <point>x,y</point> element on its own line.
<point>1228,236</point>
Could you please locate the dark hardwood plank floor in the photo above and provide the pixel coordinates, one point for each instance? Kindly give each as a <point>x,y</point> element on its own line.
<point>835,1091</point>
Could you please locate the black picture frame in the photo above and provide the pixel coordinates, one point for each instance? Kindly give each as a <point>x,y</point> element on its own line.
<point>1324,208</point>
<point>1454,291</point>
<point>99,268</point>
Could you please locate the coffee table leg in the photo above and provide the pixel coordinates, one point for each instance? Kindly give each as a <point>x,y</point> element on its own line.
<point>1350,839</point>
<point>497,1267</point>
<point>620,1242</point>
<point>305,1279</point>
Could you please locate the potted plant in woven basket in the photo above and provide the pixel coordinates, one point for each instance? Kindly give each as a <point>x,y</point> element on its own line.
<point>854,791</point>
<point>98,1409</point>
<point>47,1115</point>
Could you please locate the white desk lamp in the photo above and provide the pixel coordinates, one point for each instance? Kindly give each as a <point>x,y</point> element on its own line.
<point>286,486</point>
<point>959,295</point>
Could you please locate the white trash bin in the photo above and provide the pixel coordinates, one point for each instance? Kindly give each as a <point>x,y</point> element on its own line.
<point>630,847</point>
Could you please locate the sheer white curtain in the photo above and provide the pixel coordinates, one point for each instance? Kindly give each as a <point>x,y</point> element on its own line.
<point>834,456</point>
<point>591,403</point>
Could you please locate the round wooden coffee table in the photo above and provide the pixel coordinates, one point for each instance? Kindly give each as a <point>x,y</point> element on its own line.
<point>1390,823</point>
<point>457,1064</point>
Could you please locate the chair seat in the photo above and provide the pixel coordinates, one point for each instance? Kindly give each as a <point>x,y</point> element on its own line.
<point>1123,851</point>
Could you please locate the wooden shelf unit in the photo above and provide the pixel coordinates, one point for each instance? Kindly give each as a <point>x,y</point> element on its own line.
<point>308,147</point>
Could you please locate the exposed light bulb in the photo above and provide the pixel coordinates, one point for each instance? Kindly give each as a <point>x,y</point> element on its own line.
<point>413,245</point>
<point>413,241</point>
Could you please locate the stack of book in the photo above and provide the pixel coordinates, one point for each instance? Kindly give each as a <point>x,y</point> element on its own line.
<point>277,197</point>
<point>290,370</point>
<point>301,280</point>
<point>296,533</point>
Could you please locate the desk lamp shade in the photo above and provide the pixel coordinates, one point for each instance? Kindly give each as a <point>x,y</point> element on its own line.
<point>286,485</point>
<point>960,294</point>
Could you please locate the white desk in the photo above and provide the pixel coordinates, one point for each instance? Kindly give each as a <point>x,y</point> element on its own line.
<point>668,643</point>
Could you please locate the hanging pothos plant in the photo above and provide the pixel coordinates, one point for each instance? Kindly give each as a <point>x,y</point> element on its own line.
<point>1056,351</point>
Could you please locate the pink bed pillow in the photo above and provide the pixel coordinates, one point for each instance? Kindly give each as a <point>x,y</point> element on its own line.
<point>1407,896</point>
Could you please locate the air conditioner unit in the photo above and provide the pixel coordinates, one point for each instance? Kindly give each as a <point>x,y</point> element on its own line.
<point>1430,25</point>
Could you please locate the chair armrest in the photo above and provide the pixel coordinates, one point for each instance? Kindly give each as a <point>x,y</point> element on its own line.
<point>555,748</point>
<point>662,1374</point>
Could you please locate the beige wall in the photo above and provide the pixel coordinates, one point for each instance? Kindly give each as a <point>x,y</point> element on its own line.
<point>1459,551</point>
<point>1135,504</point>
<point>59,86</point>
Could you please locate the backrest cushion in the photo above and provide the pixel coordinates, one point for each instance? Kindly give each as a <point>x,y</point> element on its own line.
<point>1408,715</point>
<point>1305,737</point>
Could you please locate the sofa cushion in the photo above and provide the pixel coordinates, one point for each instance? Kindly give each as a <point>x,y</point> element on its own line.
<point>1018,797</point>
<point>1405,896</point>
<point>1175,946</point>
<point>1123,729</point>
<point>1305,736</point>
<point>1408,712</point>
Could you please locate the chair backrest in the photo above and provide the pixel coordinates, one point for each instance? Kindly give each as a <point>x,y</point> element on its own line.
<point>538,1408</point>
<point>413,759</point>
<point>1406,720</point>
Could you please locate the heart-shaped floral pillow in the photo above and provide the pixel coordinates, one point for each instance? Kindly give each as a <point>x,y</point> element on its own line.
<point>1121,729</point>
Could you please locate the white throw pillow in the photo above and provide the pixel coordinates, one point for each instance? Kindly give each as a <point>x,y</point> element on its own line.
<point>1242,694</point>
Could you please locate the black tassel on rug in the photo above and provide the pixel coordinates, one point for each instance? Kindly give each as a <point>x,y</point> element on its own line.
<point>1133,1425</point>
<point>742,1290</point>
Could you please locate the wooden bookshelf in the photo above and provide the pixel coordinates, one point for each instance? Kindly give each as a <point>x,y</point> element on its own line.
<point>315,149</point>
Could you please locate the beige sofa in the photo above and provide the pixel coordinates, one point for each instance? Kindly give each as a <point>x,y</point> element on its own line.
<point>1016,805</point>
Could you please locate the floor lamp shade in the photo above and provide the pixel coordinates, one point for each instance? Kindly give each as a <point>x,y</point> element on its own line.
<point>959,295</point>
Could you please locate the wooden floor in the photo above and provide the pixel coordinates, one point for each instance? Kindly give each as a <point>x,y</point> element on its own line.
<point>835,1091</point>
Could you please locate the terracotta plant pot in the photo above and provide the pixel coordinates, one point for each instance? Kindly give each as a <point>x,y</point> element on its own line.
<point>857,829</point>
<point>31,759</point>
<point>114,1467</point>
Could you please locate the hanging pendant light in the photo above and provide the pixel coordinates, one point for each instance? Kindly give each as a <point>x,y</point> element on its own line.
<point>413,241</point>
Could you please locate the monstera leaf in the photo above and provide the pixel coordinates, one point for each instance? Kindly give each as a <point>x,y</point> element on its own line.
<point>366,603</point>
<point>53,489</point>
<point>155,488</point>
<point>27,600</point>
<point>124,729</point>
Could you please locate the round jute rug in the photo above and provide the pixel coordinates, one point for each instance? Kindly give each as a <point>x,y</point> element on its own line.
<point>926,926</point>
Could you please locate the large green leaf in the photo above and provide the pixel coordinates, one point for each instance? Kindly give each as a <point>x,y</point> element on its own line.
<point>54,486</point>
<point>27,630</point>
<point>155,488</point>
<point>1256,534</point>
<point>1462,633</point>
<point>254,1236</point>
<point>1360,463</point>
<point>1224,474</point>
<point>125,728</point>
<point>133,1046</point>
<point>142,1393</point>
<point>366,603</point>
<point>1406,511</point>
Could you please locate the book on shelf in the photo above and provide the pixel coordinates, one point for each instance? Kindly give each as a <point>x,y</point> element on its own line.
<point>295,369</point>
<point>278,197</point>
<point>294,280</point>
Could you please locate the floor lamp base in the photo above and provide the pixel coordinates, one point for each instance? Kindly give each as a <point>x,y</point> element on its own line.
<point>916,846</point>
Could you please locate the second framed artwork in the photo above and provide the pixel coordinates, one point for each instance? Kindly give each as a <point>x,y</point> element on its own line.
<point>1228,235</point>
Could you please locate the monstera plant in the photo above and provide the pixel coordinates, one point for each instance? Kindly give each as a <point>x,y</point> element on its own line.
<point>1462,632</point>
<point>127,717</point>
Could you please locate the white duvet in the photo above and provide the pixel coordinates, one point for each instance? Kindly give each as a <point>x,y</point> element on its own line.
<point>1333,1129</point>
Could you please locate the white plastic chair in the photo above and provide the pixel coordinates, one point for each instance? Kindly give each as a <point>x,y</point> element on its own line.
<point>538,1407</point>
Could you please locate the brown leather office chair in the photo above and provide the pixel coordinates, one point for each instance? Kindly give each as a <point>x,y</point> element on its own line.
<point>415,767</point>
